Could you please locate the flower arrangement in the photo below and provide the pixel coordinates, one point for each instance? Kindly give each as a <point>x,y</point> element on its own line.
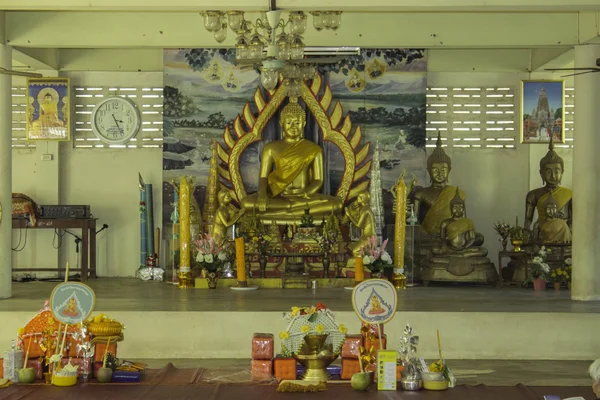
<point>517,233</point>
<point>540,269</point>
<point>560,275</point>
<point>375,257</point>
<point>262,242</point>
<point>503,230</point>
<point>211,256</point>
<point>317,320</point>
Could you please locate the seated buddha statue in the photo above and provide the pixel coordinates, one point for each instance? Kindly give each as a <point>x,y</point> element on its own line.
<point>433,204</point>
<point>457,233</point>
<point>291,175</point>
<point>226,216</point>
<point>552,168</point>
<point>554,229</point>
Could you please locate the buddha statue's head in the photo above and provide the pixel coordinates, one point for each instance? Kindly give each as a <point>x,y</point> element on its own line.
<point>48,98</point>
<point>551,206</point>
<point>552,167</point>
<point>293,120</point>
<point>224,197</point>
<point>457,205</point>
<point>363,198</point>
<point>438,163</point>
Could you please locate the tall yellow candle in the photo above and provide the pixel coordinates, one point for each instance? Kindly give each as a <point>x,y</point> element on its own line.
<point>359,270</point>
<point>184,226</point>
<point>240,259</point>
<point>400,226</point>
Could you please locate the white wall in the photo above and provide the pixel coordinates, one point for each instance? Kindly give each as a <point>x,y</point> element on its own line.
<point>106,179</point>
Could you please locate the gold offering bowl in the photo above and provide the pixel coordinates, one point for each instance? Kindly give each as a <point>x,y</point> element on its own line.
<point>517,244</point>
<point>315,357</point>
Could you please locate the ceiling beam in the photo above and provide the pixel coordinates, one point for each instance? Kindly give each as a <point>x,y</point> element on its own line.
<point>123,60</point>
<point>174,30</point>
<point>550,58</point>
<point>36,59</point>
<point>345,5</point>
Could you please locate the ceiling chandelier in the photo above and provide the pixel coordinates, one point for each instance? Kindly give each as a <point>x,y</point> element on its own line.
<point>271,41</point>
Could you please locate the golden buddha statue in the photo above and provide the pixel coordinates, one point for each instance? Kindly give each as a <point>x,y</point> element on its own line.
<point>226,216</point>
<point>291,175</point>
<point>432,205</point>
<point>552,168</point>
<point>361,215</point>
<point>450,246</point>
<point>554,229</point>
<point>457,232</point>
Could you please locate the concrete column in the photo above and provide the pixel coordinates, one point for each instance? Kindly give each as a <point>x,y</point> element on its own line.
<point>5,174</point>
<point>586,184</point>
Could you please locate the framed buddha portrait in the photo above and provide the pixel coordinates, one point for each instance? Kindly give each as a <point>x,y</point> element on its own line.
<point>48,109</point>
<point>542,111</point>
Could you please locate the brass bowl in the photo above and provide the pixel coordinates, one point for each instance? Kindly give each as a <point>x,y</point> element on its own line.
<point>105,328</point>
<point>315,366</point>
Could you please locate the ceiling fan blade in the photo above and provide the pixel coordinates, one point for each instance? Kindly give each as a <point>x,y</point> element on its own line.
<point>581,73</point>
<point>570,69</point>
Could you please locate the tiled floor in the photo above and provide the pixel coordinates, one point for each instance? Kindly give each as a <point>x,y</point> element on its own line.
<point>467,372</point>
<point>128,294</point>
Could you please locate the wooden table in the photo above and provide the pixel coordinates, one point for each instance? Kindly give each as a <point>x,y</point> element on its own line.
<point>518,255</point>
<point>88,241</point>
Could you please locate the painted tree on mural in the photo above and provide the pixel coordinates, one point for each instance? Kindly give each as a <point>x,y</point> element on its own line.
<point>176,104</point>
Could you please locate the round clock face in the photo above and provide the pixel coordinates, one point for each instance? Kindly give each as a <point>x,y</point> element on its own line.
<point>115,120</point>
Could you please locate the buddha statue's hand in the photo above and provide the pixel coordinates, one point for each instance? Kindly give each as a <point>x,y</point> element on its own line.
<point>261,202</point>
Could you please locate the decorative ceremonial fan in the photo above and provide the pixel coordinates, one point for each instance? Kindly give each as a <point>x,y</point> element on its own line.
<point>585,70</point>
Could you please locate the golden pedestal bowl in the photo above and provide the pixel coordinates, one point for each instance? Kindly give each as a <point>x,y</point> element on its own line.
<point>315,357</point>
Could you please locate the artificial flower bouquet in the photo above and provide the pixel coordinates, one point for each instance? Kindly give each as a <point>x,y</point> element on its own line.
<point>211,256</point>
<point>540,269</point>
<point>315,320</point>
<point>375,258</point>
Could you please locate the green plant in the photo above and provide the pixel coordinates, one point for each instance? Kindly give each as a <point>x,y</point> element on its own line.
<point>517,233</point>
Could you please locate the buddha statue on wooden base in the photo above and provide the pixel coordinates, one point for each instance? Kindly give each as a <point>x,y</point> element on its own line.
<point>450,246</point>
<point>291,175</point>
<point>226,216</point>
<point>361,215</point>
<point>550,229</point>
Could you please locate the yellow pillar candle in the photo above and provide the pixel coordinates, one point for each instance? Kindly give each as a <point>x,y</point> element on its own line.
<point>359,270</point>
<point>400,226</point>
<point>184,226</point>
<point>240,260</point>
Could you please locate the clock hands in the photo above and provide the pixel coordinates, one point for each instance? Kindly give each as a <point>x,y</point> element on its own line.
<point>117,123</point>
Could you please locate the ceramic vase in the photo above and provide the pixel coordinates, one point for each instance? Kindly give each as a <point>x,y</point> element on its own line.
<point>539,284</point>
<point>326,262</point>
<point>211,278</point>
<point>504,244</point>
<point>262,262</point>
<point>557,286</point>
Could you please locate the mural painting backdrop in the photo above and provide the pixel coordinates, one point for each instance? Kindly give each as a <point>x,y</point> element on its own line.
<point>382,90</point>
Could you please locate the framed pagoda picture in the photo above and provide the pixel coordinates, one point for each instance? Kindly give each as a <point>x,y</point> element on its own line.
<point>48,109</point>
<point>542,111</point>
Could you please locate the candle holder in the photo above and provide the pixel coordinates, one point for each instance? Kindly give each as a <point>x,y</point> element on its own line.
<point>185,278</point>
<point>242,284</point>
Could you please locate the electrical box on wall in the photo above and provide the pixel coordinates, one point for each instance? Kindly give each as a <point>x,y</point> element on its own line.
<point>46,157</point>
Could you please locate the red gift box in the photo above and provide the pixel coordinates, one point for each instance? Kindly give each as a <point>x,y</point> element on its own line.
<point>1,368</point>
<point>38,366</point>
<point>101,348</point>
<point>285,368</point>
<point>350,367</point>
<point>262,370</point>
<point>373,329</point>
<point>263,346</point>
<point>350,348</point>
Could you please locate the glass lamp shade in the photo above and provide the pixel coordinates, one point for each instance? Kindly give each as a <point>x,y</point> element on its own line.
<point>318,20</point>
<point>297,49</point>
<point>236,20</point>
<point>326,18</point>
<point>241,48</point>
<point>336,20</point>
<point>297,23</point>
<point>221,34</point>
<point>212,21</point>
<point>269,78</point>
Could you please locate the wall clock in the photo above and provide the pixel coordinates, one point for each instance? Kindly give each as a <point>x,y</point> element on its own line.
<point>116,120</point>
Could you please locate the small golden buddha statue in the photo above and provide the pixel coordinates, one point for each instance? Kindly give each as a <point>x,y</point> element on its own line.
<point>70,309</point>
<point>432,205</point>
<point>291,175</point>
<point>376,306</point>
<point>554,229</point>
<point>361,215</point>
<point>457,233</point>
<point>225,216</point>
<point>552,168</point>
